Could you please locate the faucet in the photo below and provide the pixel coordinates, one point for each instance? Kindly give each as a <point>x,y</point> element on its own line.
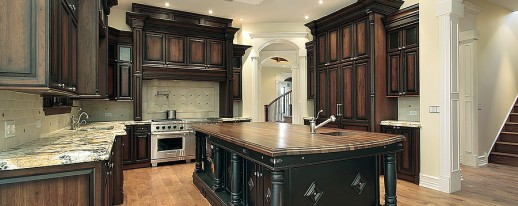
<point>76,119</point>
<point>313,122</point>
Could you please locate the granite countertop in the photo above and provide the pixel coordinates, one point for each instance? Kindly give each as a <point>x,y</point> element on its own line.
<point>236,119</point>
<point>91,142</point>
<point>400,123</point>
<point>279,139</point>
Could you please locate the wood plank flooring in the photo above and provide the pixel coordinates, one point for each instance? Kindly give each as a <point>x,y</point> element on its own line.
<point>172,185</point>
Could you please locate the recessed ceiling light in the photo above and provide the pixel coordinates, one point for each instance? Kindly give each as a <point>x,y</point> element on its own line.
<point>210,11</point>
<point>321,2</point>
<point>241,19</point>
<point>166,4</point>
<point>306,17</point>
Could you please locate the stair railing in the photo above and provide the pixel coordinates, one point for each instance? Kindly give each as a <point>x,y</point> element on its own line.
<point>278,108</point>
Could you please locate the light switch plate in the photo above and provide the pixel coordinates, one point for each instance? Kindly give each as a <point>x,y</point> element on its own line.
<point>434,109</point>
<point>107,114</point>
<point>413,113</point>
<point>10,129</point>
<point>38,123</point>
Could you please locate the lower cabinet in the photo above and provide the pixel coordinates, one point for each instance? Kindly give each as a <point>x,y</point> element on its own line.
<point>89,183</point>
<point>408,166</point>
<point>258,184</point>
<point>137,146</point>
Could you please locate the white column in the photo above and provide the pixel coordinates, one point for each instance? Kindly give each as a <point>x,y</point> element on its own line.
<point>449,12</point>
<point>256,89</point>
<point>302,88</point>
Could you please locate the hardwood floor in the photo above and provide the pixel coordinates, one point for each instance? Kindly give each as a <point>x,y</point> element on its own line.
<point>172,185</point>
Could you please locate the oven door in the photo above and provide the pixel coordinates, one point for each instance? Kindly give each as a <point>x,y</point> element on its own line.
<point>168,145</point>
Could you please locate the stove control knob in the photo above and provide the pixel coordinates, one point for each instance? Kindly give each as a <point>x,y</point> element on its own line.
<point>169,127</point>
<point>157,127</point>
<point>181,127</point>
<point>174,127</point>
<point>163,127</point>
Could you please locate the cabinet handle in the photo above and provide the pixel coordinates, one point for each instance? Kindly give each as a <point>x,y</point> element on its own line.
<point>403,47</point>
<point>404,93</point>
<point>352,58</point>
<point>339,110</point>
<point>400,93</point>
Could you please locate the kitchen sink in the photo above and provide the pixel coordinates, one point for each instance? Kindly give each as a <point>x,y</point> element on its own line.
<point>340,134</point>
<point>96,128</point>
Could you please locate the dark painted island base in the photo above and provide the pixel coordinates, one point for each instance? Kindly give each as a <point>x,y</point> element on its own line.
<point>228,174</point>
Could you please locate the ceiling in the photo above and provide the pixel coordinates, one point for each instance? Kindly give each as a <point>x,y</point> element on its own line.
<point>251,11</point>
<point>509,4</point>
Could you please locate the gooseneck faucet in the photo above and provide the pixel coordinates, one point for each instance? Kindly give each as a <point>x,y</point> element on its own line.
<point>76,119</point>
<point>313,122</point>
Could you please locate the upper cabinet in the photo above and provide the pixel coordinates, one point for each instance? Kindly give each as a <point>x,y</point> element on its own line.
<point>355,42</point>
<point>237,77</point>
<point>403,52</point>
<point>120,65</point>
<point>311,70</point>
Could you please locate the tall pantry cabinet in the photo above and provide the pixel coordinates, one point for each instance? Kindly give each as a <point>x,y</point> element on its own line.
<point>350,54</point>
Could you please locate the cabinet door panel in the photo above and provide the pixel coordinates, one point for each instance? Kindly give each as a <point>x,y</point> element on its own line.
<point>154,48</point>
<point>322,45</point>
<point>215,53</point>
<point>348,84</point>
<point>333,46</point>
<point>361,91</point>
<point>333,90</point>
<point>175,50</point>
<point>347,42</point>
<point>73,54</point>
<point>411,36</point>
<point>142,148</point>
<point>266,176</point>
<point>393,40</point>
<point>411,66</point>
<point>311,84</point>
<point>197,51</point>
<point>124,76</point>
<point>362,38</point>
<point>394,64</point>
<point>127,145</point>
<point>54,41</point>
<point>406,159</point>
<point>65,46</point>
<point>236,85</point>
<point>322,92</point>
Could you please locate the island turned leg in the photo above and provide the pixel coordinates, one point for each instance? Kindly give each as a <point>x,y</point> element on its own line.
<point>218,169</point>
<point>236,193</point>
<point>390,179</point>
<point>277,182</point>
<point>199,150</point>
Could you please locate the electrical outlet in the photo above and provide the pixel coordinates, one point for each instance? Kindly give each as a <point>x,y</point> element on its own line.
<point>107,114</point>
<point>434,109</point>
<point>10,129</point>
<point>413,113</point>
<point>38,123</point>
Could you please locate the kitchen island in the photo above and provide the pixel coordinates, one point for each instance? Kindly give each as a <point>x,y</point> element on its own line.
<point>283,164</point>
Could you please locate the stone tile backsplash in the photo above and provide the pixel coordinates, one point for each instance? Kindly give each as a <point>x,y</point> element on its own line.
<point>101,111</point>
<point>408,109</point>
<point>190,99</point>
<point>26,111</point>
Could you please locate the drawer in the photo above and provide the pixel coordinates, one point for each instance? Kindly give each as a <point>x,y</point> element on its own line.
<point>142,128</point>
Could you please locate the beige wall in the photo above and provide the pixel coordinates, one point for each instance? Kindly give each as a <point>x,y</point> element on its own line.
<point>430,93</point>
<point>408,3</point>
<point>117,19</point>
<point>497,65</point>
<point>30,120</point>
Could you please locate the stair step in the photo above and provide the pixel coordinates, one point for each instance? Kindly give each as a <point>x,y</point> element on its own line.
<point>513,117</point>
<point>504,158</point>
<point>511,127</point>
<point>515,108</point>
<point>509,137</point>
<point>506,147</point>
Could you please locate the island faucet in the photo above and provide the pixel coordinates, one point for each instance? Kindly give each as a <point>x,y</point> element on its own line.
<point>76,119</point>
<point>313,122</point>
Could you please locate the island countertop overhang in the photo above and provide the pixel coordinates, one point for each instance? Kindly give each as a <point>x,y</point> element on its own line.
<point>281,139</point>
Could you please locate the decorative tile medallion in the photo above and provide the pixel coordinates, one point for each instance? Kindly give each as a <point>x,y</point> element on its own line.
<point>313,194</point>
<point>359,183</point>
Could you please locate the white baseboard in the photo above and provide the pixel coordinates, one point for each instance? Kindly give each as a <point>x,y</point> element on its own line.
<point>483,160</point>
<point>429,182</point>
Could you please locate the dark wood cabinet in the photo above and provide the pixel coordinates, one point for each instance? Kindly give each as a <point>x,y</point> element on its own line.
<point>351,67</point>
<point>154,48</point>
<point>237,76</point>
<point>258,184</point>
<point>137,146</point>
<point>408,166</point>
<point>175,50</point>
<point>403,53</point>
<point>120,65</point>
<point>311,70</point>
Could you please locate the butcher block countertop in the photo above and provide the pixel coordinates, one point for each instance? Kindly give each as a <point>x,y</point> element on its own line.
<point>279,139</point>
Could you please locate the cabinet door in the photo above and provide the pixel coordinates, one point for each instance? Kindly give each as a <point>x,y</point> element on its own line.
<point>333,46</point>
<point>347,42</point>
<point>322,103</point>
<point>411,71</point>
<point>362,88</point>
<point>73,56</point>
<point>153,48</point>
<point>197,48</point>
<point>175,50</point>
<point>252,183</point>
<point>65,39</point>
<point>334,87</point>
<point>266,177</point>
<point>236,84</point>
<point>408,159</point>
<point>124,77</point>
<point>124,54</point>
<point>322,49</point>
<point>215,54</point>
<point>118,176</point>
<point>311,83</point>
<point>393,73</point>
<point>347,91</point>
<point>18,63</point>
<point>55,42</point>
<point>361,31</point>
<point>127,146</point>
<point>410,37</point>
<point>394,40</point>
<point>142,147</point>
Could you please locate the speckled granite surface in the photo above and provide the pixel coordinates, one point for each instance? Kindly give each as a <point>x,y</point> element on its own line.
<point>92,142</point>
<point>400,123</point>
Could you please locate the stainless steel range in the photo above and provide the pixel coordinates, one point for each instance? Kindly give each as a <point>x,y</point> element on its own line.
<point>174,139</point>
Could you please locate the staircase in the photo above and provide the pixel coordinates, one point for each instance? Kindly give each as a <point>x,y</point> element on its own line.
<point>505,150</point>
<point>279,110</point>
